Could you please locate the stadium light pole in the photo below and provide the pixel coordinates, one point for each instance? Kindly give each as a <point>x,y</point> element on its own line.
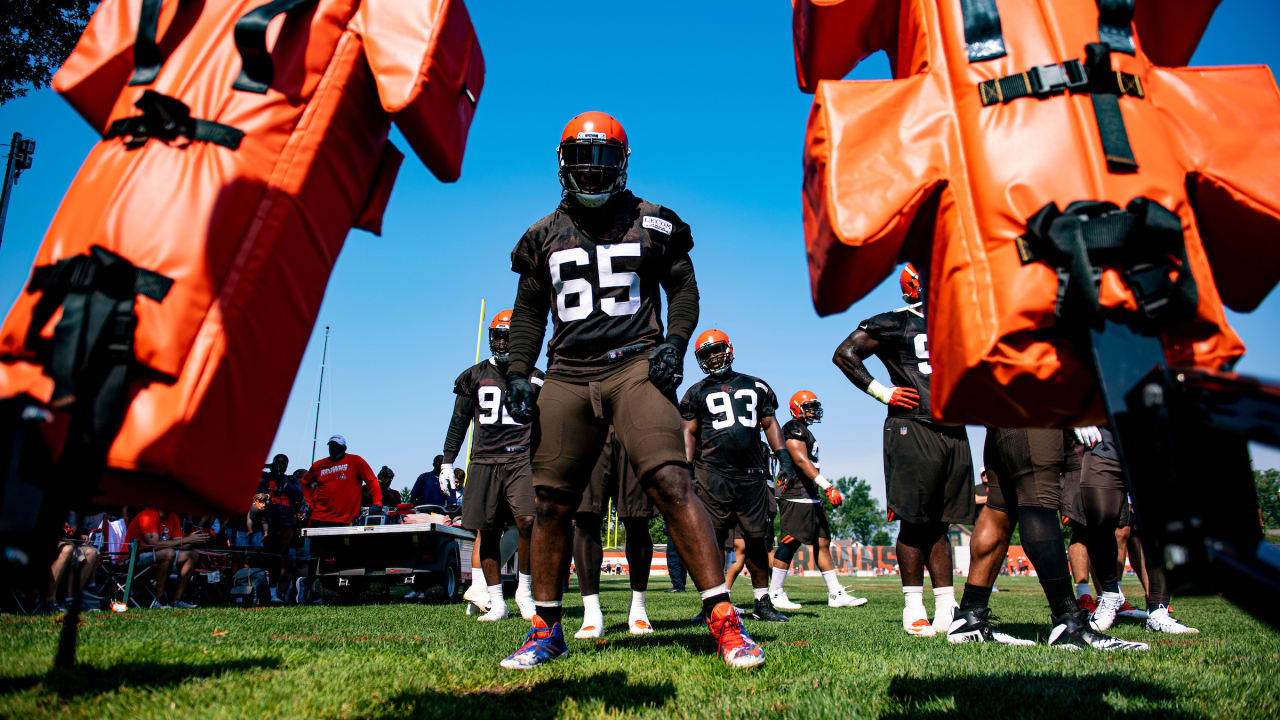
<point>315,430</point>
<point>20,151</point>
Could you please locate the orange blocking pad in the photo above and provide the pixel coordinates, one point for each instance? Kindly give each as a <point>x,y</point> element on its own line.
<point>945,165</point>
<point>242,141</point>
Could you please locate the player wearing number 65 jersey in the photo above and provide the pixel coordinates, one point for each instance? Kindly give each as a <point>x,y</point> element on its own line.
<point>599,263</point>
<point>724,414</point>
<point>928,471</point>
<point>500,487</point>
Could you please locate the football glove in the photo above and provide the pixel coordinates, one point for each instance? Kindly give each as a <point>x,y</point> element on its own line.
<point>520,402</point>
<point>666,364</point>
<point>903,397</point>
<point>446,475</point>
<point>1089,435</point>
<point>834,497</point>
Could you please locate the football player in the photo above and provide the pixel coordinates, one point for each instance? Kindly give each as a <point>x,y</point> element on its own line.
<point>928,471</point>
<point>724,414</point>
<point>499,489</point>
<point>599,263</point>
<point>802,517</point>
<point>613,479</point>
<point>1026,468</point>
<point>1105,500</point>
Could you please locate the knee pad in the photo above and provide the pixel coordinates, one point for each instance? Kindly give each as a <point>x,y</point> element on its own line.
<point>786,550</point>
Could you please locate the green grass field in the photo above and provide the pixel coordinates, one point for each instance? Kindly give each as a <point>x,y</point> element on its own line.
<point>391,661</point>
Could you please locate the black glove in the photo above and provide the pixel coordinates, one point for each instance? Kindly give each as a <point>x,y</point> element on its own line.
<point>666,364</point>
<point>520,402</point>
<point>786,466</point>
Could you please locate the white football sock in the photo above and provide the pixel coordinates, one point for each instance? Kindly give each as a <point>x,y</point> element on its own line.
<point>637,600</point>
<point>524,586</point>
<point>717,590</point>
<point>913,596</point>
<point>591,609</point>
<point>1082,589</point>
<point>760,592</point>
<point>944,596</point>
<point>833,582</point>
<point>776,579</point>
<point>495,595</point>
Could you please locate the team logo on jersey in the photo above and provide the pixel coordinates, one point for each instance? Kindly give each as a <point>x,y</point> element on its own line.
<point>903,431</point>
<point>656,223</point>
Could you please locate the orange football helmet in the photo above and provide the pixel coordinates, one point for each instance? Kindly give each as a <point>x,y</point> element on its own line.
<point>593,154</point>
<point>909,280</point>
<point>806,408</point>
<point>714,351</point>
<point>500,335</point>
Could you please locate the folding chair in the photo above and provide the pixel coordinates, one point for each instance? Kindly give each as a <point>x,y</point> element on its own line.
<point>120,574</point>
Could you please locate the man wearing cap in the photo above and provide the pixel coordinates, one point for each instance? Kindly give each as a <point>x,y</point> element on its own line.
<point>332,486</point>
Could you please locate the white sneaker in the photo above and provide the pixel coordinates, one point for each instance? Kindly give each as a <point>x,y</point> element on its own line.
<point>1104,615</point>
<point>844,599</point>
<point>592,628</point>
<point>1159,620</point>
<point>184,605</point>
<point>943,614</point>
<point>916,622</point>
<point>524,601</point>
<point>157,605</point>
<point>497,612</point>
<point>476,596</point>
<point>782,602</point>
<point>638,622</point>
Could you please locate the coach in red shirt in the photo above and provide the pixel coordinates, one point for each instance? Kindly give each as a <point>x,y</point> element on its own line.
<point>332,486</point>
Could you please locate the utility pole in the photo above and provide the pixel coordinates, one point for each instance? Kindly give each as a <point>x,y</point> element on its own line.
<point>20,151</point>
<point>319,393</point>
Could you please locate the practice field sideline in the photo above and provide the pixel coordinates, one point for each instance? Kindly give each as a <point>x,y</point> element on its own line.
<point>387,661</point>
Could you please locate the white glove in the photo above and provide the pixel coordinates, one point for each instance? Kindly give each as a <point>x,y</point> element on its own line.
<point>822,482</point>
<point>1089,435</point>
<point>446,477</point>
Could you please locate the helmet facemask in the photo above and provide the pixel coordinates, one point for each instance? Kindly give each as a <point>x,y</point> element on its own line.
<point>812,412</point>
<point>715,358</point>
<point>593,169</point>
<point>499,343</point>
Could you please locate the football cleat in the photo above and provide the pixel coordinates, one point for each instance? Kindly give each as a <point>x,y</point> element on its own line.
<point>1086,602</point>
<point>638,622</point>
<point>916,622</point>
<point>497,612</point>
<point>1159,620</point>
<point>733,644</point>
<point>1130,612</point>
<point>184,605</point>
<point>782,602</point>
<point>1104,613</point>
<point>944,613</point>
<point>477,596</point>
<point>524,601</point>
<point>844,599</point>
<point>1072,632</point>
<point>975,626</point>
<point>763,610</point>
<point>592,628</point>
<point>542,644</point>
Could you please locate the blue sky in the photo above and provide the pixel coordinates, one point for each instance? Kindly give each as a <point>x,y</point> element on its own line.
<point>716,124</point>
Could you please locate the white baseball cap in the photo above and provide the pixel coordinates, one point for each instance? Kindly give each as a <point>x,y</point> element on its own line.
<point>338,439</point>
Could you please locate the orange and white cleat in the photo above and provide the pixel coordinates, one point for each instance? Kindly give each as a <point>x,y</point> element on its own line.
<point>638,623</point>
<point>735,646</point>
<point>916,622</point>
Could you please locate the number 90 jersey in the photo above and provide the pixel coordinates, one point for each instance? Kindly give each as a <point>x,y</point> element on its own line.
<point>904,350</point>
<point>494,429</point>
<point>604,269</point>
<point>728,410</point>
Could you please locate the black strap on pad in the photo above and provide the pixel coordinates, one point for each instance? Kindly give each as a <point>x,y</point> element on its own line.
<point>258,70</point>
<point>983,38</point>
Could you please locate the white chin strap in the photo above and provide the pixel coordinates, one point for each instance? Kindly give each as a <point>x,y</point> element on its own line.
<point>592,200</point>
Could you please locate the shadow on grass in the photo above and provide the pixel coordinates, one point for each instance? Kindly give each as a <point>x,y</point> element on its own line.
<point>528,701</point>
<point>92,680</point>
<point>1027,695</point>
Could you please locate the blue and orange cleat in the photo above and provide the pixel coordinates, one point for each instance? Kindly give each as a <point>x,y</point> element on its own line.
<point>734,644</point>
<point>542,644</point>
